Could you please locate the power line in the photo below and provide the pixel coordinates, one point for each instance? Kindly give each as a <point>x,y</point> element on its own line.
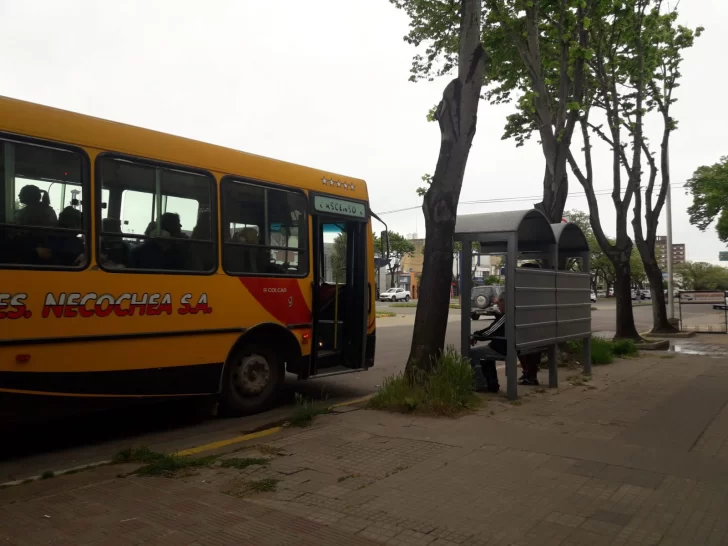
<point>512,199</point>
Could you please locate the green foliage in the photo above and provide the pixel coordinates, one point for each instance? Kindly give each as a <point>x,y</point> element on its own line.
<point>702,276</point>
<point>306,411</point>
<point>537,50</point>
<point>603,350</point>
<point>137,455</point>
<point>266,485</point>
<point>446,389</point>
<point>168,464</point>
<point>624,347</point>
<point>709,187</point>
<point>399,247</point>
<point>491,280</point>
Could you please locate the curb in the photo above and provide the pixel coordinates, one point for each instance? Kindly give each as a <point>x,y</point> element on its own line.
<point>193,450</point>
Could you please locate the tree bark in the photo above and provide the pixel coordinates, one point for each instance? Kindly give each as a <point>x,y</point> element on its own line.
<point>457,116</point>
<point>623,294</point>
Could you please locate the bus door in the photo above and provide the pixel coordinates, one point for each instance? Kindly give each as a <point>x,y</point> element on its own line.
<point>340,293</point>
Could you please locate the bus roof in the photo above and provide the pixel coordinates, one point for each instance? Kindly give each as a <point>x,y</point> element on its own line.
<point>44,122</point>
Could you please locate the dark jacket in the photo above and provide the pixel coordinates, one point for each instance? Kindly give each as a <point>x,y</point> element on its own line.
<point>497,329</point>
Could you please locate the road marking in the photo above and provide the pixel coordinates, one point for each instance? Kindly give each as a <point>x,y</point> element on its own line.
<point>229,441</point>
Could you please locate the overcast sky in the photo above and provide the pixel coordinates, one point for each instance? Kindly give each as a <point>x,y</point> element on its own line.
<point>321,83</point>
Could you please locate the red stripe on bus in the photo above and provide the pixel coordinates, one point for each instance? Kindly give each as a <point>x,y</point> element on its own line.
<point>282,298</point>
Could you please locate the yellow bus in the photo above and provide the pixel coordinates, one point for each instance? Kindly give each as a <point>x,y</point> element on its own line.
<point>136,264</point>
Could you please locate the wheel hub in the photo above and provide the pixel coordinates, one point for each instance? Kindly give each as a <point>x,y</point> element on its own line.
<point>252,375</point>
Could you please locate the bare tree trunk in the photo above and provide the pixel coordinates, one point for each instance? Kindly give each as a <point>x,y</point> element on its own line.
<point>660,322</point>
<point>457,116</point>
<point>623,294</point>
<point>554,195</point>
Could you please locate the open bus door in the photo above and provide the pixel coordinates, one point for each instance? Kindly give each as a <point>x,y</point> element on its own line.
<point>341,291</point>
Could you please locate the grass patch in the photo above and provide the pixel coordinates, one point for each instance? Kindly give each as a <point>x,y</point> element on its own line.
<point>160,464</point>
<point>624,347</point>
<point>306,411</point>
<point>170,464</point>
<point>603,350</point>
<point>266,485</point>
<point>47,475</point>
<point>666,357</point>
<point>242,462</point>
<point>273,451</point>
<point>445,390</point>
<point>137,455</point>
<point>385,314</point>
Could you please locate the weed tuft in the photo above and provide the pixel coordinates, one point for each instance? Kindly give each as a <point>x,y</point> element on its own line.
<point>446,389</point>
<point>306,411</point>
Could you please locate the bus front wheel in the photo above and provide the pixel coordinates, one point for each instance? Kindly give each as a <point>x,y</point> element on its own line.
<point>250,381</point>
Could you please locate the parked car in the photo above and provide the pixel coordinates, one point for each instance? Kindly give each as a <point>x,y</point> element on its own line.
<point>646,294</point>
<point>593,297</point>
<point>483,300</point>
<point>395,294</point>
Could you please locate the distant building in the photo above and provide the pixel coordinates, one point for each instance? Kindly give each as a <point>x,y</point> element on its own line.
<point>678,252</point>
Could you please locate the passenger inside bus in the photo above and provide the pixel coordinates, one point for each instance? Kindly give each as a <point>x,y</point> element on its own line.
<point>114,251</point>
<point>161,250</point>
<point>68,248</point>
<point>37,210</point>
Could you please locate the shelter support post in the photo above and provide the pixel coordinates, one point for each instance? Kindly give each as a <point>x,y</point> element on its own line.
<point>553,263</point>
<point>586,344</point>
<point>511,357</point>
<point>586,355</point>
<point>466,285</point>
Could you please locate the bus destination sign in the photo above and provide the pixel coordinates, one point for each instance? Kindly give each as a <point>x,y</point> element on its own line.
<point>333,205</point>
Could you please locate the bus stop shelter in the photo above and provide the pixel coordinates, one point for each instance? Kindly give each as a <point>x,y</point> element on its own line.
<point>544,306</point>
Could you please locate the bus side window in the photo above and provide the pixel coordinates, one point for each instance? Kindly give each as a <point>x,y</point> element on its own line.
<point>42,219</point>
<point>268,230</point>
<point>165,219</point>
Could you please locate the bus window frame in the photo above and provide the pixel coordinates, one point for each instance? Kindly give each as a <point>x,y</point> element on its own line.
<point>232,179</point>
<point>215,235</point>
<point>89,249</point>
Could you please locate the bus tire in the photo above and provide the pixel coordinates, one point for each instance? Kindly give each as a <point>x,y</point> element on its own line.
<point>250,380</point>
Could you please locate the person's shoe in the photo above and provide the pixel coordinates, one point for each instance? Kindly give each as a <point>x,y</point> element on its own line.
<point>529,381</point>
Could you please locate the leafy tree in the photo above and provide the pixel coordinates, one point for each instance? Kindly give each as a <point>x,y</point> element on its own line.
<point>456,115</point>
<point>703,276</point>
<point>599,264</point>
<point>538,51</point>
<point>634,69</point>
<point>709,186</point>
<point>399,247</point>
<point>492,279</point>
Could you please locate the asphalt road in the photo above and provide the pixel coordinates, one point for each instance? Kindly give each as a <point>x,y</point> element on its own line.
<point>134,424</point>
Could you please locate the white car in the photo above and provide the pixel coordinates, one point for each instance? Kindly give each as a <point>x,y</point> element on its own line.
<point>395,294</point>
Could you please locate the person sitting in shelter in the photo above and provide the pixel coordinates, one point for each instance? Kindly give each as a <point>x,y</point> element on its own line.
<point>496,333</point>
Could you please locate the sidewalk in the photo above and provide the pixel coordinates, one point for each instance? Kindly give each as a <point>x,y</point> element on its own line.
<point>638,455</point>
